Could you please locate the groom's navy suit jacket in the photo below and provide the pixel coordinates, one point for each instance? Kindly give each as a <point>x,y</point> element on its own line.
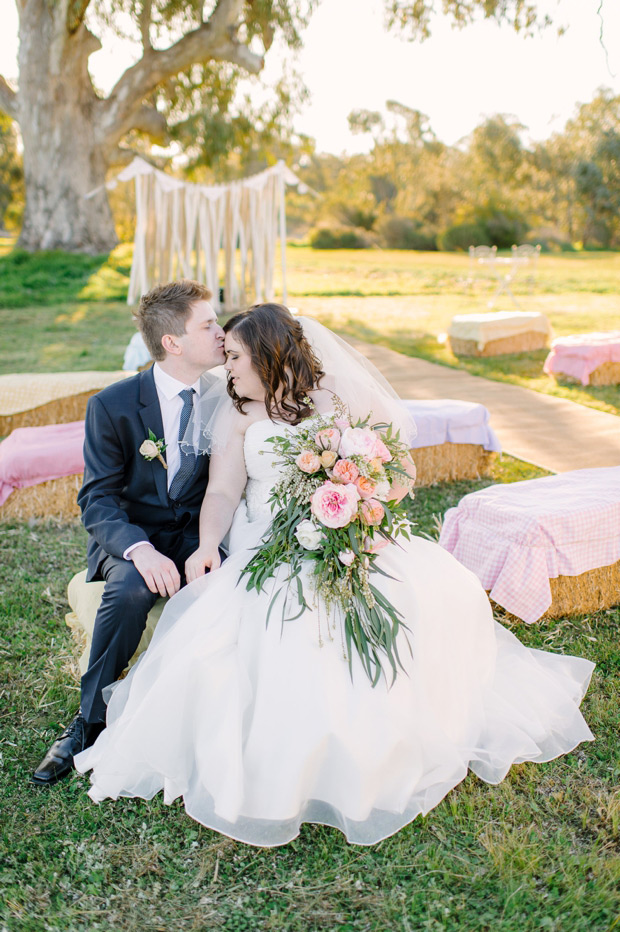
<point>124,497</point>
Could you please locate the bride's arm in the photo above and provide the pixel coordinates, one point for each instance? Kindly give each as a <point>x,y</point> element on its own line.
<point>227,480</point>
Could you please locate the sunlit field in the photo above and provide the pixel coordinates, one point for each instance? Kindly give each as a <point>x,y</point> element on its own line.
<point>68,312</point>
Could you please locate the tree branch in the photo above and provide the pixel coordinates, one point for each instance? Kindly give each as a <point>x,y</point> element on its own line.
<point>120,157</point>
<point>150,121</point>
<point>76,10</point>
<point>8,99</point>
<point>214,40</point>
<point>145,24</point>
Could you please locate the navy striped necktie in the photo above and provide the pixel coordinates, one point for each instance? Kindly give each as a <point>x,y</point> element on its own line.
<point>188,460</point>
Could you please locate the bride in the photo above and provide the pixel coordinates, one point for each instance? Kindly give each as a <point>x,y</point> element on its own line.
<point>261,725</point>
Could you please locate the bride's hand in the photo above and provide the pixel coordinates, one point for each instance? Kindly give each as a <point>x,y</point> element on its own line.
<point>203,559</point>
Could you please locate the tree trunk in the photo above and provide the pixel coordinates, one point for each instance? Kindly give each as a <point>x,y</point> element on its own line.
<point>63,159</point>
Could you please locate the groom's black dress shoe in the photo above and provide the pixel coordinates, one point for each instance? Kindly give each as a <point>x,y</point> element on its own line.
<point>58,762</point>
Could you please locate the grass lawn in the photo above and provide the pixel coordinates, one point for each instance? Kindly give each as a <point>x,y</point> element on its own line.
<point>64,312</point>
<point>541,851</point>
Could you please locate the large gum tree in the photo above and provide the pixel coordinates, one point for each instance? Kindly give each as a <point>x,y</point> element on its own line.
<point>72,134</point>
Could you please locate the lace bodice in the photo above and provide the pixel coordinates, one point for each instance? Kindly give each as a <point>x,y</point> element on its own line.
<point>261,466</point>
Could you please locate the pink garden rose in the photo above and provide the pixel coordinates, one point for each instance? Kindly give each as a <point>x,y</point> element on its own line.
<point>366,487</point>
<point>345,471</point>
<point>335,505</point>
<point>360,441</point>
<point>347,557</point>
<point>308,461</point>
<point>382,451</point>
<point>371,512</point>
<point>328,438</point>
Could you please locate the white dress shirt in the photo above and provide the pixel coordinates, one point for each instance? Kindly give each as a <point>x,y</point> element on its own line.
<point>171,405</point>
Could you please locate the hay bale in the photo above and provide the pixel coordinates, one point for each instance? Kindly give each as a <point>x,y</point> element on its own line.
<point>84,599</point>
<point>608,373</point>
<point>56,497</point>
<point>60,411</point>
<point>34,399</point>
<point>589,592</point>
<point>518,343</point>
<point>446,462</point>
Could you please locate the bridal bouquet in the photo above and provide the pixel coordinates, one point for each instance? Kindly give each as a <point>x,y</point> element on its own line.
<point>332,507</point>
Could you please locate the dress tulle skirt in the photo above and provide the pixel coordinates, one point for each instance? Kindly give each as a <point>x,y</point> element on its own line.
<point>262,727</point>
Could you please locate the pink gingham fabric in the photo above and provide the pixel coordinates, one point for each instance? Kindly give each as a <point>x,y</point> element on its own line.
<point>580,354</point>
<point>31,455</point>
<point>516,537</point>
<point>450,421</point>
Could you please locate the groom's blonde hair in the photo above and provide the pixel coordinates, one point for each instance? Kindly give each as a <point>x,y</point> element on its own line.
<point>166,309</point>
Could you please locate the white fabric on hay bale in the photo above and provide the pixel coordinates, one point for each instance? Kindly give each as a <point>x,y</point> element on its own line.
<point>455,440</point>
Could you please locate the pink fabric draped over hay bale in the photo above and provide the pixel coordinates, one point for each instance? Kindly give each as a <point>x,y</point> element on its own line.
<point>518,537</point>
<point>589,358</point>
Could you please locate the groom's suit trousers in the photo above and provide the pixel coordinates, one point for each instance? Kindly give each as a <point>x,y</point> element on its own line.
<point>120,621</point>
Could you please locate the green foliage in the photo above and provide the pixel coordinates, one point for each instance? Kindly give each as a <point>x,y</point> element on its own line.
<point>405,233</point>
<point>463,235</point>
<point>11,176</point>
<point>338,238</point>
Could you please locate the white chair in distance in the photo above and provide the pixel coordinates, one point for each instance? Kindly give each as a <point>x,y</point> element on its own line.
<point>481,262</point>
<point>527,255</point>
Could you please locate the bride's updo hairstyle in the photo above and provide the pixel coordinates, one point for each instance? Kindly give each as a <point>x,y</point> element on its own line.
<point>282,358</point>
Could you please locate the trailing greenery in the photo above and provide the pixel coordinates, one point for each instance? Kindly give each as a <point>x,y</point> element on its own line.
<point>541,851</point>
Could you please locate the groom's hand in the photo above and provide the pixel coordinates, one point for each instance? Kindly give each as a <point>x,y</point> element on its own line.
<point>203,559</point>
<point>159,572</point>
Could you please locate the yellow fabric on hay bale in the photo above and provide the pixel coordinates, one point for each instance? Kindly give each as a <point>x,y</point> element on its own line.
<point>520,343</point>
<point>84,599</point>
<point>53,498</point>
<point>446,462</point>
<point>29,399</point>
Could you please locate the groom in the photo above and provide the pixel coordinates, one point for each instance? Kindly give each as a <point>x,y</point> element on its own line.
<point>141,515</point>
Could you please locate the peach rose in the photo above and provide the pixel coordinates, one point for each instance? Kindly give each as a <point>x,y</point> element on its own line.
<point>308,461</point>
<point>373,546</point>
<point>328,438</point>
<point>345,471</point>
<point>365,487</point>
<point>335,505</point>
<point>371,512</point>
<point>328,458</point>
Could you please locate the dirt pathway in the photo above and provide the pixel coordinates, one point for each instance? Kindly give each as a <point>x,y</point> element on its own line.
<point>552,433</point>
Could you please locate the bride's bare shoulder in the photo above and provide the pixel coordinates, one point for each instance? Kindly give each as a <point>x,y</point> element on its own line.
<point>323,396</point>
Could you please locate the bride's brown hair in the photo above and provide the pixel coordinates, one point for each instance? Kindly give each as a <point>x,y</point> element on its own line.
<point>282,358</point>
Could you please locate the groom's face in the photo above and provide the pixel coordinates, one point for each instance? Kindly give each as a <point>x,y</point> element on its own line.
<point>203,341</point>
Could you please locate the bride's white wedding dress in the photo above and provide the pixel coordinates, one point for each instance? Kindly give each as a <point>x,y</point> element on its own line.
<point>261,727</point>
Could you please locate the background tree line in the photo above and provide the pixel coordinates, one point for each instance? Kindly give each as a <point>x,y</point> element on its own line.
<point>188,88</point>
<point>411,191</point>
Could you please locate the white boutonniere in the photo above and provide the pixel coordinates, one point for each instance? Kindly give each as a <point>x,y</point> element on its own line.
<point>153,448</point>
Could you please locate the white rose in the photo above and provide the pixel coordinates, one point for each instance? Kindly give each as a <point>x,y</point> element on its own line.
<point>309,535</point>
<point>149,449</point>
